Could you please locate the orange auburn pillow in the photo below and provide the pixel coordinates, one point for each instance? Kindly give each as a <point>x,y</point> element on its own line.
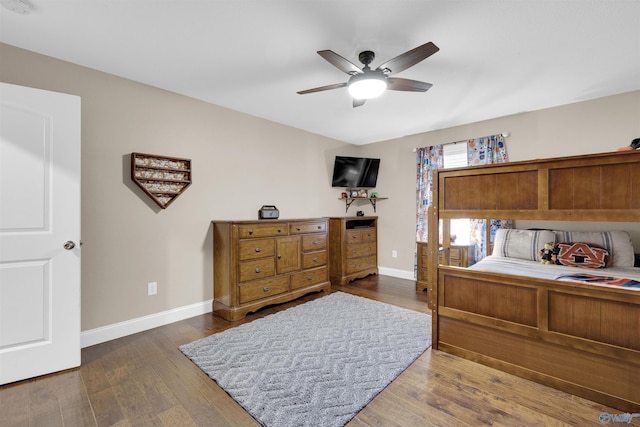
<point>581,254</point>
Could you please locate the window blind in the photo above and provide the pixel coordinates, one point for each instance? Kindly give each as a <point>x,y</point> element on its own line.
<point>455,155</point>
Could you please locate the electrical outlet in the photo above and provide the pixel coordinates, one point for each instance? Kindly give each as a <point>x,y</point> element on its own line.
<point>152,288</point>
<point>394,254</point>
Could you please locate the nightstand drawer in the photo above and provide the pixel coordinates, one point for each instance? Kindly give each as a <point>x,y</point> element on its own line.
<point>423,260</point>
<point>461,255</point>
<point>263,288</point>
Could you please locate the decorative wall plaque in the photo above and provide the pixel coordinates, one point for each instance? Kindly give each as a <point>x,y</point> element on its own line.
<point>161,178</point>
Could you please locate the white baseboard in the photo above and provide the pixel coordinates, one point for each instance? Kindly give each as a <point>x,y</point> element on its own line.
<point>133,326</point>
<point>393,272</point>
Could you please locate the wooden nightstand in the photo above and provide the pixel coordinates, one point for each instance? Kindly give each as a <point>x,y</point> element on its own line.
<point>459,256</point>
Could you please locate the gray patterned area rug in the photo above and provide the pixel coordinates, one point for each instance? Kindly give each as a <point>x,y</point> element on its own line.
<point>316,364</point>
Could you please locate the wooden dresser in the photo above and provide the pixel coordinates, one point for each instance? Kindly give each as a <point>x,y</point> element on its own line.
<point>459,256</point>
<point>353,248</point>
<point>259,263</point>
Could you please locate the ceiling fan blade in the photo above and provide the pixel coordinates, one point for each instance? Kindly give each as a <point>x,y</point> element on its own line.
<point>409,59</point>
<point>395,83</point>
<point>358,102</point>
<point>321,88</point>
<point>339,62</point>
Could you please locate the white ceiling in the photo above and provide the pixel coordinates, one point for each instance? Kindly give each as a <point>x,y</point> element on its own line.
<point>496,58</point>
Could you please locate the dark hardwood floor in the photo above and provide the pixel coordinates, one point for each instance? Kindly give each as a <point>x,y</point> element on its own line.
<point>144,380</point>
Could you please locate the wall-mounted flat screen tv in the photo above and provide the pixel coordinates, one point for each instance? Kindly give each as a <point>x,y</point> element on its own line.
<point>355,172</point>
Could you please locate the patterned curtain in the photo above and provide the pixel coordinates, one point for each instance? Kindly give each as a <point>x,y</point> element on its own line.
<point>485,151</point>
<point>429,159</point>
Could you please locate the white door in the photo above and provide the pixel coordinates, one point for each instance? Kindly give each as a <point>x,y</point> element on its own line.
<point>39,214</point>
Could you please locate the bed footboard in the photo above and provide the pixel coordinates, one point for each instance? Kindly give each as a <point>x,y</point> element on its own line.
<point>581,339</point>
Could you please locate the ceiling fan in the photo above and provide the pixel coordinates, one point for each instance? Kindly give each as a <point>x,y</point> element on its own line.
<point>366,83</point>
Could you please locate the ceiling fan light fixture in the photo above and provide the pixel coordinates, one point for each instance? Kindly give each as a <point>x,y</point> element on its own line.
<point>363,86</point>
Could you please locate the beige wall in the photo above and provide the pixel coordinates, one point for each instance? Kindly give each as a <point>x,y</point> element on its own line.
<point>240,163</point>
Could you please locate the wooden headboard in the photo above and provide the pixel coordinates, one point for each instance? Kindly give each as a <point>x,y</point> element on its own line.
<point>599,187</point>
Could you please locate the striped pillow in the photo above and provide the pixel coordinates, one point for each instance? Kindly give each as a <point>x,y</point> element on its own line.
<point>522,244</point>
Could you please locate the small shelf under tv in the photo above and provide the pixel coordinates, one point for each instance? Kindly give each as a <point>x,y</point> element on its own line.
<point>349,201</point>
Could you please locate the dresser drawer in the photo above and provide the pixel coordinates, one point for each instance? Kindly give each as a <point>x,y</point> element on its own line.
<point>307,227</point>
<point>309,277</point>
<point>353,236</point>
<point>314,259</point>
<point>359,264</point>
<point>252,231</point>
<point>368,234</point>
<point>263,288</point>
<point>314,243</point>
<point>360,235</point>
<point>256,248</point>
<point>251,270</point>
<point>359,250</point>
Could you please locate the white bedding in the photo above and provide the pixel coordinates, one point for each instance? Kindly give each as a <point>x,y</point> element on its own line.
<point>522,267</point>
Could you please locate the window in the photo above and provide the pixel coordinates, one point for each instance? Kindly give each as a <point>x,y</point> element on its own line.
<point>455,156</point>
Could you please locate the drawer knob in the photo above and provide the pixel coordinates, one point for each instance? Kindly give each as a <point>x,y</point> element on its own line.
<point>258,270</point>
<point>279,256</point>
<point>258,249</point>
<point>315,242</point>
<point>354,251</point>
<point>309,277</point>
<point>315,259</point>
<point>279,230</point>
<point>266,289</point>
<point>298,228</point>
<point>250,232</point>
<point>319,227</point>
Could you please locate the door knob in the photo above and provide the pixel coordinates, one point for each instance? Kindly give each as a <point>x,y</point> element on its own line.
<point>68,245</point>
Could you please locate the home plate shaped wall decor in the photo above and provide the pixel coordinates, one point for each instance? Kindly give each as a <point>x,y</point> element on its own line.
<point>162,178</point>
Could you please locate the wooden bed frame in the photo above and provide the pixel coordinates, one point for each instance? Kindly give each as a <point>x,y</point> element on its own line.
<point>579,338</point>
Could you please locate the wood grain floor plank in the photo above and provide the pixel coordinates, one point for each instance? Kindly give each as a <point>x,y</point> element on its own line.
<point>106,408</point>
<point>176,416</point>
